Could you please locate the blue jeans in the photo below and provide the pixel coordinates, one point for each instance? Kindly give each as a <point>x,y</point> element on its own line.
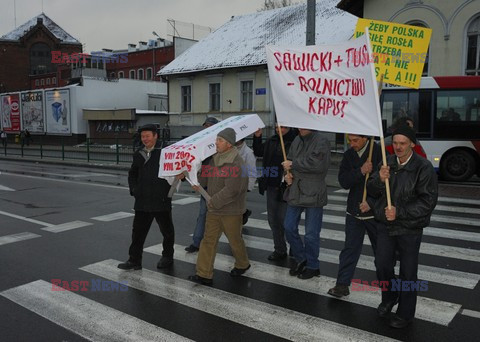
<point>354,235</point>
<point>310,248</point>
<point>200,227</point>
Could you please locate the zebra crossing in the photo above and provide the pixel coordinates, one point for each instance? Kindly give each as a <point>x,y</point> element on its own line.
<point>267,302</point>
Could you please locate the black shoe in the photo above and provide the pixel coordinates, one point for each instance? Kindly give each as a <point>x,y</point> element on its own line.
<point>165,262</point>
<point>339,291</point>
<point>245,216</point>
<point>275,256</point>
<point>309,273</point>
<point>386,307</point>
<point>399,322</point>
<point>298,268</point>
<point>191,249</point>
<point>129,266</point>
<point>200,280</point>
<point>236,272</point>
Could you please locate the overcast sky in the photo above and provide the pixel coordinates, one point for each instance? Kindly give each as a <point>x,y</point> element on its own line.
<point>115,23</point>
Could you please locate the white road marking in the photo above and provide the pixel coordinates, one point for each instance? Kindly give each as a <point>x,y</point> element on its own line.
<point>23,218</point>
<point>425,248</point>
<point>5,188</point>
<point>186,200</point>
<point>470,313</point>
<point>113,217</point>
<point>431,310</point>
<point>255,314</point>
<point>85,317</point>
<point>429,273</point>
<point>66,226</point>
<point>17,237</point>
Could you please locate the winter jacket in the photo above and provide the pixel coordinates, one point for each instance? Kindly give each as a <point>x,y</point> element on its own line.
<point>351,178</point>
<point>271,151</point>
<point>310,156</point>
<point>150,192</point>
<point>414,194</point>
<point>225,183</point>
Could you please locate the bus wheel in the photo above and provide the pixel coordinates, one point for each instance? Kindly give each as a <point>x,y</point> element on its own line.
<point>457,166</point>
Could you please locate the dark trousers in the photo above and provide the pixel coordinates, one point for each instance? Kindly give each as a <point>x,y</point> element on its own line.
<point>276,210</point>
<point>141,225</point>
<point>354,235</point>
<point>408,247</point>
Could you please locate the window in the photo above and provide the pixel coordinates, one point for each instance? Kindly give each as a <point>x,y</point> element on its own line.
<point>214,90</point>
<point>42,82</point>
<point>54,80</point>
<point>186,98</point>
<point>425,65</point>
<point>40,59</point>
<point>37,83</point>
<point>473,48</point>
<point>132,74</point>
<point>140,74</point>
<point>120,74</point>
<point>149,74</point>
<point>48,81</point>
<point>246,95</point>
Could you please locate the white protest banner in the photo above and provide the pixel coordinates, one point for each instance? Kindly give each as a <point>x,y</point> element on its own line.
<point>187,154</point>
<point>328,88</point>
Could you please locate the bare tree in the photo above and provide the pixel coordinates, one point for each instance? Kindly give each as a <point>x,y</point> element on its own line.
<point>272,4</point>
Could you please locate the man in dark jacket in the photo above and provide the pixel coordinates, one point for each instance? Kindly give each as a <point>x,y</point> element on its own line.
<point>351,176</point>
<point>308,162</point>
<point>271,180</point>
<point>151,201</point>
<point>414,194</point>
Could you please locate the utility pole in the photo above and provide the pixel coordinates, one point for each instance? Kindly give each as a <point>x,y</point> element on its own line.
<point>311,4</point>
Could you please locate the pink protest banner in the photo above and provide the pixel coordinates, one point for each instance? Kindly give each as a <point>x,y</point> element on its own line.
<point>187,155</point>
<point>328,88</point>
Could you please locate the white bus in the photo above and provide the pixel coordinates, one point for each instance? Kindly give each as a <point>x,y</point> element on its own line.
<point>446,112</point>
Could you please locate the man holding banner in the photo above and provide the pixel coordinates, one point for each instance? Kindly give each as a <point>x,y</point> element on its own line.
<point>307,165</point>
<point>356,165</point>
<point>227,189</point>
<point>414,194</point>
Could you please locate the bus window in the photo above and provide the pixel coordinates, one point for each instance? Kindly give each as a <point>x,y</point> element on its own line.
<point>395,105</point>
<point>457,114</point>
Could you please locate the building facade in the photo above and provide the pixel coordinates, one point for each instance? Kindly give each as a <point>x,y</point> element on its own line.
<point>455,42</point>
<point>26,54</point>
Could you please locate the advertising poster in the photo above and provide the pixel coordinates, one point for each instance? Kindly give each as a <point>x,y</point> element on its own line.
<point>57,111</point>
<point>10,112</point>
<point>32,112</point>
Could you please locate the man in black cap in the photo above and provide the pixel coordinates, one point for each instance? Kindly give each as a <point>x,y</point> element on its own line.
<point>202,212</point>
<point>414,194</point>
<point>151,201</point>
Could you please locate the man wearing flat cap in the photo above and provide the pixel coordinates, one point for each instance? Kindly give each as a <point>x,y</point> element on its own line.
<point>227,189</point>
<point>414,194</point>
<point>151,201</point>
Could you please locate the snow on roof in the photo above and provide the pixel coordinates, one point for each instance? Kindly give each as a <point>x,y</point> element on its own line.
<point>56,30</point>
<point>241,41</point>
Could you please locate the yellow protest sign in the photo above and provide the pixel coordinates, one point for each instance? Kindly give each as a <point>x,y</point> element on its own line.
<point>399,51</point>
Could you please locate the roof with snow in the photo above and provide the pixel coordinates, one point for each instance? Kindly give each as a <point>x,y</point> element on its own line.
<point>56,30</point>
<point>241,41</point>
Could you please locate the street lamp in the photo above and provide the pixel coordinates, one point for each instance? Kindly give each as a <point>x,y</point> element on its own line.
<point>153,53</point>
